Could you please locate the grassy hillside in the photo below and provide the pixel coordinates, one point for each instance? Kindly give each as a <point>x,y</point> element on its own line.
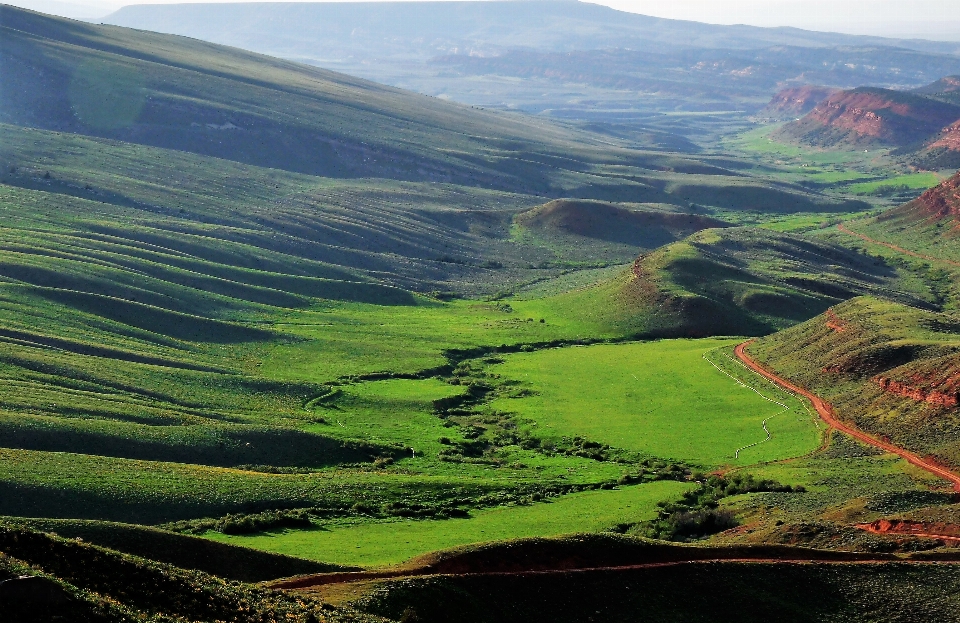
<point>924,227</point>
<point>184,94</point>
<point>886,367</point>
<point>745,281</point>
<point>193,96</point>
<point>593,230</point>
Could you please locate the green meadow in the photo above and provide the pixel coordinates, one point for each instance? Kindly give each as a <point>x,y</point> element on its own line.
<point>372,544</point>
<point>662,398</point>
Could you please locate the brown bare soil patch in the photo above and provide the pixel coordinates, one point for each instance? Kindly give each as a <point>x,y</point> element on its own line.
<point>835,323</point>
<point>949,534</point>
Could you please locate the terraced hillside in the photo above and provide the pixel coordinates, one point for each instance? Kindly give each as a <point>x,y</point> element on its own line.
<point>888,368</point>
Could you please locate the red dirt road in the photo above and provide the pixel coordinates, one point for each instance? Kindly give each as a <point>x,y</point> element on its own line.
<point>826,413</point>
<point>894,247</point>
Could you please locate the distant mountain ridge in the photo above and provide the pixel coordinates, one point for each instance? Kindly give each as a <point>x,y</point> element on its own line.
<point>577,60</point>
<point>428,27</point>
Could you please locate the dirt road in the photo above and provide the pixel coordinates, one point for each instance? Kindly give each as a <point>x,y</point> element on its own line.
<point>826,413</point>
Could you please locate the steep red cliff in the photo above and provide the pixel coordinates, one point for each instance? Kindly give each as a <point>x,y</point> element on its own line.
<point>933,381</point>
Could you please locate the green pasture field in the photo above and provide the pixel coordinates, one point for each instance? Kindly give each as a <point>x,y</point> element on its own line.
<point>913,181</point>
<point>336,340</point>
<point>758,142</point>
<point>660,398</point>
<point>373,544</point>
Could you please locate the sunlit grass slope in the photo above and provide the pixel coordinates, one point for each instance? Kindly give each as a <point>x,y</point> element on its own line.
<point>737,281</point>
<point>385,543</point>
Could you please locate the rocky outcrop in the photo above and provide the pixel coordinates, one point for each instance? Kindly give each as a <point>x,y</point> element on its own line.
<point>941,200</point>
<point>795,102</point>
<point>869,116</point>
<point>932,397</point>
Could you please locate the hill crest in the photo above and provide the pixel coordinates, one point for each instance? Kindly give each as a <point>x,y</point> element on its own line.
<point>613,223</point>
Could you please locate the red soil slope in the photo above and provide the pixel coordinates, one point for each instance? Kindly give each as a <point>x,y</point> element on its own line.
<point>796,101</point>
<point>949,533</point>
<point>825,410</point>
<point>941,200</point>
<point>874,116</point>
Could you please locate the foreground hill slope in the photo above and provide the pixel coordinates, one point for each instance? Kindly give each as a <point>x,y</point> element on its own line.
<point>75,581</point>
<point>890,369</point>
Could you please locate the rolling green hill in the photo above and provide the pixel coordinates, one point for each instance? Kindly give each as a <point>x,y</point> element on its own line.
<point>255,301</point>
<point>737,281</point>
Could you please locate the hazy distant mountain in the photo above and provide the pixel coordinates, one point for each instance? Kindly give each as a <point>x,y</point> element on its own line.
<point>576,60</point>
<point>426,29</point>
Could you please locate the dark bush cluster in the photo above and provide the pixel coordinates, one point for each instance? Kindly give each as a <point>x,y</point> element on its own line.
<point>246,523</point>
<point>696,514</point>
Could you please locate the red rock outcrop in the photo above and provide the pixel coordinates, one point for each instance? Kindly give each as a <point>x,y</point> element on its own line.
<point>868,115</point>
<point>933,397</point>
<point>796,101</point>
<point>941,200</point>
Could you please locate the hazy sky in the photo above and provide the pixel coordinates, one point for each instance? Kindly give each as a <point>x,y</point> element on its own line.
<point>935,19</point>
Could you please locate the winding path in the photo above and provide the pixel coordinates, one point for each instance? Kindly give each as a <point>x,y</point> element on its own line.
<point>826,413</point>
